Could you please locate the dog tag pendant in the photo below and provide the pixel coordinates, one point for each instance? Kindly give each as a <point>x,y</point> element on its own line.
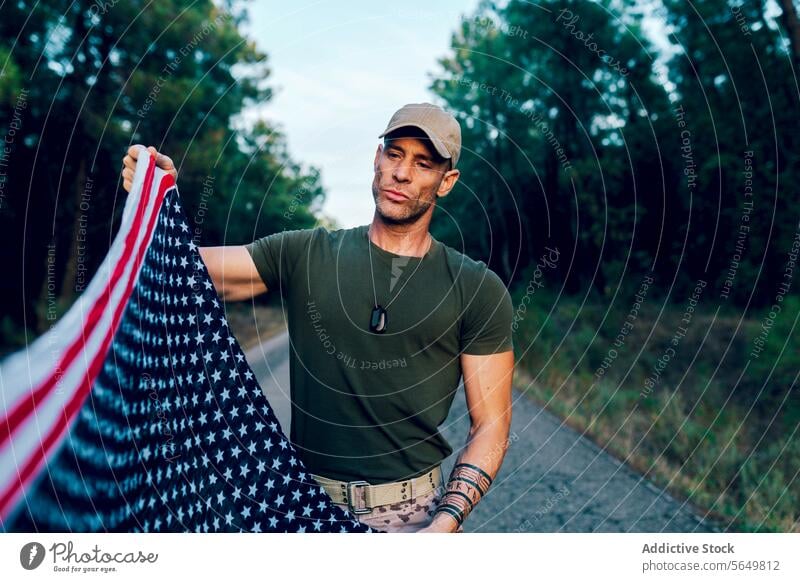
<point>377,322</point>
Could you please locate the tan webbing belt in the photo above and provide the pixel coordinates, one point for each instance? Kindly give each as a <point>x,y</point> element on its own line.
<point>361,497</point>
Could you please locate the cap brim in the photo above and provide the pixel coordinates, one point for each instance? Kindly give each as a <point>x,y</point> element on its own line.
<point>437,143</point>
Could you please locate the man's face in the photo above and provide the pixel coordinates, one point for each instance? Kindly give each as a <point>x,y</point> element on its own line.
<point>409,175</point>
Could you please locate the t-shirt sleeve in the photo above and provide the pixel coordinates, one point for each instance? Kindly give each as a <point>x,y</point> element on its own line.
<point>276,256</point>
<point>486,325</point>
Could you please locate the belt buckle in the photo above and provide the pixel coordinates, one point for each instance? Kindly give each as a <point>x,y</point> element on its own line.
<point>355,510</point>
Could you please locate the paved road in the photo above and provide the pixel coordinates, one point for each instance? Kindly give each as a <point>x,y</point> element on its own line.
<point>552,479</point>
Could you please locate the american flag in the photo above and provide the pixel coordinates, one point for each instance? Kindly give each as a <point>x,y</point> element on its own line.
<point>138,412</point>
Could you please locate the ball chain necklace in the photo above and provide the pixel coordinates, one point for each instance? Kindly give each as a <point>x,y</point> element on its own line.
<point>379,317</point>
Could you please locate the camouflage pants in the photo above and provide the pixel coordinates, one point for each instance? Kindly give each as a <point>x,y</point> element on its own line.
<point>407,516</point>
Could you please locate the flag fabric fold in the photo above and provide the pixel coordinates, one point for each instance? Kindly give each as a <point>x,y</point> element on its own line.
<point>138,412</point>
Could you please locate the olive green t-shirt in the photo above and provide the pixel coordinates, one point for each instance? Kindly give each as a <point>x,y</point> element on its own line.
<point>366,405</point>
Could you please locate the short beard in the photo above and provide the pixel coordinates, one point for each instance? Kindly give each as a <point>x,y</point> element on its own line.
<point>419,210</point>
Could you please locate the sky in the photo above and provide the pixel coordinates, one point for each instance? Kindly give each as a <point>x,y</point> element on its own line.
<point>338,77</point>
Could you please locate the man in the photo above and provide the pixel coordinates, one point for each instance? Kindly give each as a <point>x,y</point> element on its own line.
<point>384,320</point>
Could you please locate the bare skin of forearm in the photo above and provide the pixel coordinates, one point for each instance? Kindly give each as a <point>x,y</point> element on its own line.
<point>485,449</point>
<point>232,272</point>
<point>487,384</point>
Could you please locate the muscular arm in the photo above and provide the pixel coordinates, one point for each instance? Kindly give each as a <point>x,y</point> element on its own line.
<point>233,272</point>
<point>231,268</point>
<point>487,382</point>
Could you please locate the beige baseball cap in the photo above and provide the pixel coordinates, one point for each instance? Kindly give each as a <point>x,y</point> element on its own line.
<point>439,125</point>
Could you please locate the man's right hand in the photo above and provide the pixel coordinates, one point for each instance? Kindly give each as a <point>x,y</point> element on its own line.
<point>129,165</point>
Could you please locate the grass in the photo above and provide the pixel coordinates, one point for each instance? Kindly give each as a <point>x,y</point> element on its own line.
<point>723,437</point>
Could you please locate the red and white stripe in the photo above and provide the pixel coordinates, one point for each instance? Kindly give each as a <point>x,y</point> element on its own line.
<point>43,387</point>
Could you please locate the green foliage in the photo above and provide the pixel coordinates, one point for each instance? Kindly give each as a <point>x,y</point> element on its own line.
<point>572,138</point>
<point>99,76</point>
